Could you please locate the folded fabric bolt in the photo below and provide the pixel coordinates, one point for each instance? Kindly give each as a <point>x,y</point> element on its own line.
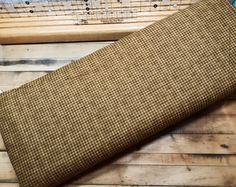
<point>64,123</point>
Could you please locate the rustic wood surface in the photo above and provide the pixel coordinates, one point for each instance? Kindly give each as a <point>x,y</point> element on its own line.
<point>201,151</point>
<point>74,20</point>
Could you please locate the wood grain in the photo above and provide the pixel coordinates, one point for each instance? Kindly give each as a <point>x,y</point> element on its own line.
<point>55,22</point>
<point>68,33</point>
<point>157,175</point>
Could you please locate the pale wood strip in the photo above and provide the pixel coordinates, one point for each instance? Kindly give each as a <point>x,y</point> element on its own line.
<point>177,159</point>
<point>7,173</point>
<point>157,175</point>
<point>55,51</point>
<point>2,146</point>
<point>46,65</point>
<point>46,57</point>
<point>18,78</point>
<point>39,18</point>
<point>72,22</point>
<point>162,175</point>
<point>1,52</point>
<point>6,88</point>
<point>9,185</point>
<point>191,143</point>
<point>69,33</point>
<point>186,143</point>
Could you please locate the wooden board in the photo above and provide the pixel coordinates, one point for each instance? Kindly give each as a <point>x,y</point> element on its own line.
<point>80,20</point>
<point>200,151</point>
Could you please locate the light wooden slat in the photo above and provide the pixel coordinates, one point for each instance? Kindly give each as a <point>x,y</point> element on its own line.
<point>69,33</point>
<point>18,78</point>
<point>46,65</point>
<point>72,22</point>
<point>41,27</point>
<point>177,159</point>
<point>186,143</point>
<point>7,172</point>
<point>157,175</point>
<point>47,57</point>
<point>162,175</point>
<point>9,185</point>
<point>191,143</point>
<point>55,51</point>
<point>2,146</point>
<point>1,52</point>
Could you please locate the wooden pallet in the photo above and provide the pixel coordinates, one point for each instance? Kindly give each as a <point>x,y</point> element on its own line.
<point>80,20</point>
<point>199,152</point>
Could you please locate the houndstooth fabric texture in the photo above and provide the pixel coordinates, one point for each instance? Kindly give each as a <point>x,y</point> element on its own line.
<point>86,112</point>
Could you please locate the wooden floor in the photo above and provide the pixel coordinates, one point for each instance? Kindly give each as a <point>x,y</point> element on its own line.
<point>199,152</point>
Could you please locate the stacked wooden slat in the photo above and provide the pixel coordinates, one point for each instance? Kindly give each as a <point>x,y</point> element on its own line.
<point>81,20</point>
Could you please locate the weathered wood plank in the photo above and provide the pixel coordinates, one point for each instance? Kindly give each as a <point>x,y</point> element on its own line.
<point>157,175</point>
<point>102,32</point>
<point>177,159</point>
<point>2,146</point>
<point>52,51</point>
<point>18,78</point>
<point>1,52</point>
<point>191,143</point>
<point>187,143</point>
<point>162,175</point>
<point>45,57</point>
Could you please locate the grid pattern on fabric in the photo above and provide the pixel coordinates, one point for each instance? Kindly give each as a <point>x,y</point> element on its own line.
<point>86,112</point>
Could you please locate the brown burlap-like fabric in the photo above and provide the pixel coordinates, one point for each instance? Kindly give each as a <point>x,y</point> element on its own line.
<point>67,121</point>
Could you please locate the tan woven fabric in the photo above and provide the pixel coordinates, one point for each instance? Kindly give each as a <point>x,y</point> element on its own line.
<point>67,121</point>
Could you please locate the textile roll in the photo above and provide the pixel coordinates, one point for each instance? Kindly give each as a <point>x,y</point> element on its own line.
<point>66,122</point>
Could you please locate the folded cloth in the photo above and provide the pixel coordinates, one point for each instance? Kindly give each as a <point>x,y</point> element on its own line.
<point>62,124</point>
